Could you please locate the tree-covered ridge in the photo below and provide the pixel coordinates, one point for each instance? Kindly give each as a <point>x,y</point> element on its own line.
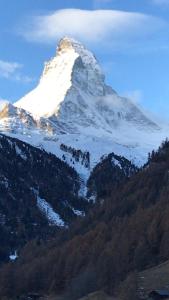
<point>28,174</point>
<point>125,233</point>
<point>112,171</point>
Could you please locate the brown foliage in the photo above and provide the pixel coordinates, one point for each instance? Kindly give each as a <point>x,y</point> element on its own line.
<point>128,232</point>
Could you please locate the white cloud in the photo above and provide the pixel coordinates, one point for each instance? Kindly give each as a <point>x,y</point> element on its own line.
<point>23,78</point>
<point>8,69</point>
<point>106,28</point>
<point>11,70</point>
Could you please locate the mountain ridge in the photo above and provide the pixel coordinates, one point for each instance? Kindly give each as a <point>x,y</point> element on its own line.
<point>72,105</point>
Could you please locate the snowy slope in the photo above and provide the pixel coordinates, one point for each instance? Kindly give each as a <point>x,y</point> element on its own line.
<point>73,106</point>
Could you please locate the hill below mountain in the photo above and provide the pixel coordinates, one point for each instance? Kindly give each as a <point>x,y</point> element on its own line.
<point>39,195</point>
<point>126,233</point>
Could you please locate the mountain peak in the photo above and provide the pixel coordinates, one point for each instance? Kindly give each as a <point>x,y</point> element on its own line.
<point>72,91</point>
<point>73,106</point>
<point>74,67</point>
<point>68,43</point>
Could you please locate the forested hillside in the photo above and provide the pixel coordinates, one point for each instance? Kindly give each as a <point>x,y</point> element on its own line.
<point>127,232</point>
<point>38,195</point>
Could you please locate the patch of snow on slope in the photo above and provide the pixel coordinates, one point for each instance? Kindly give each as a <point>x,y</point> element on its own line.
<point>78,212</point>
<point>13,256</point>
<point>20,153</point>
<point>52,216</point>
<point>116,162</point>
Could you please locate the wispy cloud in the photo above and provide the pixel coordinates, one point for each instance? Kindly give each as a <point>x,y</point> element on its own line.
<point>107,28</point>
<point>136,96</point>
<point>8,69</point>
<point>12,71</point>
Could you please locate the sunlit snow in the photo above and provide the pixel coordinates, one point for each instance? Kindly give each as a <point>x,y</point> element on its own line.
<point>81,112</point>
<point>51,215</point>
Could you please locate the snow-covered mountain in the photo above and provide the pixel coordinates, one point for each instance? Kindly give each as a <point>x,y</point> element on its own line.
<point>72,90</point>
<point>72,110</point>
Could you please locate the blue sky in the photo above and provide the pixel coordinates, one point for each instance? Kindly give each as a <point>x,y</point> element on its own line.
<point>130,38</point>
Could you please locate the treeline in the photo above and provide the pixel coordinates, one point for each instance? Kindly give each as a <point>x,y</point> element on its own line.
<point>111,172</point>
<point>126,233</point>
<point>78,155</point>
